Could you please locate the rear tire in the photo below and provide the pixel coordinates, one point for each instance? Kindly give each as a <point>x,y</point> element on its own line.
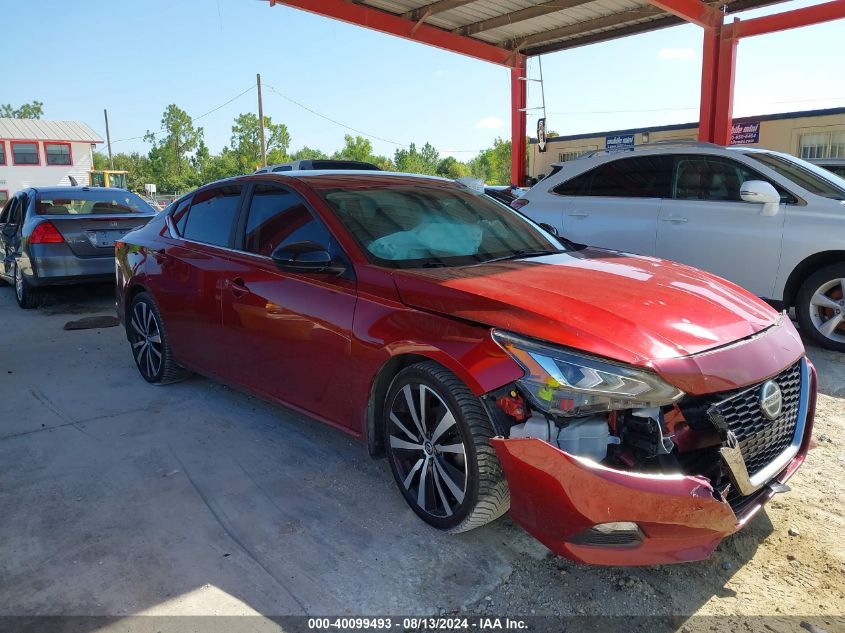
<point>437,436</point>
<point>26,295</point>
<point>150,344</point>
<point>820,307</point>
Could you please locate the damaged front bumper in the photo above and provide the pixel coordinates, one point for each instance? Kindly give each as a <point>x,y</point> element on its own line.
<point>598,515</point>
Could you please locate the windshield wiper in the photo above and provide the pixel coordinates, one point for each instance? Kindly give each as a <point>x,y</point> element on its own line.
<point>523,252</point>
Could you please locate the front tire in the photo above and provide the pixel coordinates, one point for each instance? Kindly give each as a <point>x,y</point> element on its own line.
<point>26,295</point>
<point>150,344</point>
<point>437,436</point>
<point>821,307</point>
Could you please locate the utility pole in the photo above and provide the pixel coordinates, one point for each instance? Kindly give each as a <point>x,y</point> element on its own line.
<point>261,122</point>
<point>108,138</point>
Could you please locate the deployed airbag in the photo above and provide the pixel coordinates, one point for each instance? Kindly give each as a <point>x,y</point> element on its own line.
<point>429,239</point>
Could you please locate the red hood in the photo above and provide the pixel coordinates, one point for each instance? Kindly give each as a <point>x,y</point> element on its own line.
<point>630,308</point>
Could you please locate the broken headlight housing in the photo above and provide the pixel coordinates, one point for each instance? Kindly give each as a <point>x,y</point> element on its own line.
<point>561,382</point>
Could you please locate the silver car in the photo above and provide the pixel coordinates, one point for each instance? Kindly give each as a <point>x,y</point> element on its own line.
<point>64,235</point>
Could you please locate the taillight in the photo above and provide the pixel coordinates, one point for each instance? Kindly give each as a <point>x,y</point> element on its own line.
<point>45,233</point>
<point>519,203</point>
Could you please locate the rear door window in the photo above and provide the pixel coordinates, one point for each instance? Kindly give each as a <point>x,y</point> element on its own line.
<point>211,218</point>
<point>278,216</point>
<point>635,177</point>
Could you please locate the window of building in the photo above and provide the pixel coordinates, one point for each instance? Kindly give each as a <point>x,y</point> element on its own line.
<point>837,145</point>
<point>4,196</point>
<point>278,216</point>
<point>2,152</point>
<point>58,153</point>
<point>25,153</point>
<point>211,218</point>
<point>572,154</point>
<point>822,145</point>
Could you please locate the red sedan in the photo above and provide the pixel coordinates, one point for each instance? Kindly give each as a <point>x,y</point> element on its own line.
<point>625,409</point>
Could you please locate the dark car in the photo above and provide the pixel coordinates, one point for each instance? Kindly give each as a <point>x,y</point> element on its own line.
<point>64,235</point>
<point>315,164</point>
<point>627,410</point>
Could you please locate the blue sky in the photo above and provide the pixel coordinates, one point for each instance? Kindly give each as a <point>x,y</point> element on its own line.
<point>135,58</point>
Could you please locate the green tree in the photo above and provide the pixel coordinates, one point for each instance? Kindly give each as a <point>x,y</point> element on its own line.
<point>355,148</point>
<point>34,110</point>
<point>246,141</point>
<point>493,165</point>
<point>173,149</point>
<point>139,168</point>
<point>411,160</point>
<point>451,167</point>
<point>223,165</point>
<point>307,153</point>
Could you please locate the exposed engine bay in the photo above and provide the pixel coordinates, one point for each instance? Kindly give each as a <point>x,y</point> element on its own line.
<point>630,420</point>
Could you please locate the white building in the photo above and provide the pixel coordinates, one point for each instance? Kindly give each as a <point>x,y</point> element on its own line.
<point>44,153</point>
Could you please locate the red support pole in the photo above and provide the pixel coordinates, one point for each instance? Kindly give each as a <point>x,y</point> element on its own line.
<point>519,101</point>
<point>709,70</point>
<point>806,16</point>
<point>724,103</point>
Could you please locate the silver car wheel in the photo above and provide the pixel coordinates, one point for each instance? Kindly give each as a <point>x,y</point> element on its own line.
<point>19,289</point>
<point>145,335</point>
<point>427,448</point>
<point>827,310</point>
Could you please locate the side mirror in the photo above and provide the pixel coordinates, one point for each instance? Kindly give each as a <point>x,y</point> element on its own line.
<point>306,257</point>
<point>761,192</point>
<point>548,228</point>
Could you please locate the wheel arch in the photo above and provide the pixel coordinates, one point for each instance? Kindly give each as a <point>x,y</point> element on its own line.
<point>806,268</point>
<point>384,377</point>
<point>132,291</point>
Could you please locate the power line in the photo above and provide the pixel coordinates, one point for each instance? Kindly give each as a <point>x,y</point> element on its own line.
<point>197,118</point>
<point>323,116</point>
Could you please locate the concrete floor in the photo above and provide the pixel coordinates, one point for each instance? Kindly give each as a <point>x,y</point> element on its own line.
<point>118,497</point>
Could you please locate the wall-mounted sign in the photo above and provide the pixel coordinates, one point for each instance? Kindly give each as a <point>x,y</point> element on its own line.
<point>619,143</point>
<point>541,134</point>
<point>745,133</point>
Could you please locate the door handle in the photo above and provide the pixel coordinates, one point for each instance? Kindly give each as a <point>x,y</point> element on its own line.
<point>237,286</point>
<point>675,219</point>
<point>578,214</point>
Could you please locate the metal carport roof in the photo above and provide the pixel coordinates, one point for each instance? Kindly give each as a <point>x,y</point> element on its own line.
<point>533,27</point>
<point>508,32</point>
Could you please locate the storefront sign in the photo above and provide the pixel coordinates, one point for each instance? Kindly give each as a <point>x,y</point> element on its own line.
<point>745,133</point>
<point>619,143</point>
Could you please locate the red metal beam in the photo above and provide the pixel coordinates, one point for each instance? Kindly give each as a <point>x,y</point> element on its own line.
<point>519,101</point>
<point>709,70</point>
<point>693,11</point>
<point>807,16</point>
<point>726,75</point>
<point>392,24</point>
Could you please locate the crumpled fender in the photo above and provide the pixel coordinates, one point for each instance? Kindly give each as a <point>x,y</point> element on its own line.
<point>556,496</point>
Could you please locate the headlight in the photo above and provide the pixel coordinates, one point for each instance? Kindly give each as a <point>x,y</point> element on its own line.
<point>564,383</point>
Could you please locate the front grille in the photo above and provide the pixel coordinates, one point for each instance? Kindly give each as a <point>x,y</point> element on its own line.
<point>761,440</point>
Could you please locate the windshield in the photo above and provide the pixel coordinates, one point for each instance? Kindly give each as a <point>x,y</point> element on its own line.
<point>91,203</point>
<point>411,227</point>
<point>804,174</point>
